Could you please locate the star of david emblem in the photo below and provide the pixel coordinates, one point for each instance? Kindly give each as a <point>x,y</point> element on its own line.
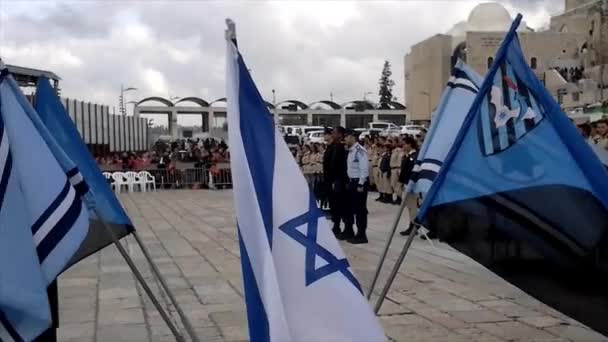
<point>313,249</point>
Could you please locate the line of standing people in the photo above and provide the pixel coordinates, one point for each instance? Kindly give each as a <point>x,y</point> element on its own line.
<point>346,176</point>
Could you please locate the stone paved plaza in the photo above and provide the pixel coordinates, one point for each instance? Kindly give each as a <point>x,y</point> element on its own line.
<point>439,295</point>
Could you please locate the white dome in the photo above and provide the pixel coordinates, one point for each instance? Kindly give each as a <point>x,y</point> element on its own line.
<point>490,16</point>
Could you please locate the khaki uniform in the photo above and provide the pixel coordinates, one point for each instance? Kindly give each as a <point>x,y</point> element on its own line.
<point>306,163</point>
<point>384,186</point>
<point>396,158</point>
<point>374,173</point>
<point>315,163</point>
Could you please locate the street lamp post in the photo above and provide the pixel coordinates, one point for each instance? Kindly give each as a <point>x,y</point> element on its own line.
<point>276,110</point>
<point>123,108</point>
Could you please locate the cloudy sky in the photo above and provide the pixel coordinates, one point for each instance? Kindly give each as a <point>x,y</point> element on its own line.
<point>303,49</point>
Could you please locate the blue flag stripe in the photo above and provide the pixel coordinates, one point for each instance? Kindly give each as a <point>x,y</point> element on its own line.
<point>257,133</point>
<point>259,330</point>
<point>62,227</point>
<point>51,209</point>
<point>454,85</point>
<point>4,322</point>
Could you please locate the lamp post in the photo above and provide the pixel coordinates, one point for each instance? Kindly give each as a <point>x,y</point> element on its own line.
<point>134,103</point>
<point>276,110</point>
<point>428,96</point>
<point>123,108</point>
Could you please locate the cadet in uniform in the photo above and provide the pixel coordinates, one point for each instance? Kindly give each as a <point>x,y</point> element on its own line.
<point>386,193</point>
<point>396,157</point>
<point>357,166</point>
<point>335,177</point>
<point>374,175</point>
<point>306,164</point>
<point>407,165</point>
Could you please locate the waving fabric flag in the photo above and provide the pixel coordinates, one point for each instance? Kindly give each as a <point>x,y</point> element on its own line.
<point>455,103</point>
<point>51,116</point>
<point>43,220</point>
<point>522,193</point>
<point>298,284</point>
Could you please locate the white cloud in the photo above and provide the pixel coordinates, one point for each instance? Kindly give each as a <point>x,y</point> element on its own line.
<point>303,49</point>
<point>155,82</point>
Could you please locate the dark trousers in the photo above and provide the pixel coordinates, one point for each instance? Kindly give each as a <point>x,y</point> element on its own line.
<point>338,203</point>
<point>51,334</point>
<point>357,207</point>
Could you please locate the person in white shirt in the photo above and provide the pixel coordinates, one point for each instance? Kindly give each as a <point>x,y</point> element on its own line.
<point>357,169</point>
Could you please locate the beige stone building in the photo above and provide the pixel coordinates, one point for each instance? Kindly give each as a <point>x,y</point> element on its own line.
<point>569,57</point>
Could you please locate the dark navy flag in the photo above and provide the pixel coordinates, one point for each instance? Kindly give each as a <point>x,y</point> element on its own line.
<point>521,192</point>
<point>103,205</point>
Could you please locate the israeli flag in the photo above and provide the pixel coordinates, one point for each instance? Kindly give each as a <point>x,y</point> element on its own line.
<point>43,219</point>
<point>454,105</point>
<point>298,284</point>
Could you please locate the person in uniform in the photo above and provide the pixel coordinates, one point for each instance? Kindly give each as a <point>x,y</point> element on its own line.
<point>396,157</point>
<point>386,193</point>
<point>357,169</point>
<point>335,177</point>
<point>306,162</point>
<point>374,175</point>
<point>407,165</point>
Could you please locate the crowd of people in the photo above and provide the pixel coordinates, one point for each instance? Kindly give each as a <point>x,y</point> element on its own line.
<point>184,153</point>
<point>571,74</point>
<point>595,132</point>
<point>334,171</point>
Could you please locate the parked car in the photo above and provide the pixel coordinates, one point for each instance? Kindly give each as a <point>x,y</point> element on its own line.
<point>382,125</point>
<point>391,132</point>
<point>413,130</point>
<point>315,137</point>
<point>372,132</point>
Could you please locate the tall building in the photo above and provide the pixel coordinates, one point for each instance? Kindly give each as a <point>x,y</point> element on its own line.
<point>569,57</point>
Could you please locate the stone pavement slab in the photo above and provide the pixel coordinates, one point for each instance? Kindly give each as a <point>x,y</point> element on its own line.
<point>438,295</point>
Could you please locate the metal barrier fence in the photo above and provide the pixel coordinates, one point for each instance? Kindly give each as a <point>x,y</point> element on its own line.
<point>215,177</point>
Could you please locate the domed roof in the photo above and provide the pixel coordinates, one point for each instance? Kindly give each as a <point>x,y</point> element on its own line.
<point>490,16</point>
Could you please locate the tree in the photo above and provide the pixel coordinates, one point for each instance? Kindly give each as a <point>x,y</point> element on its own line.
<point>386,86</point>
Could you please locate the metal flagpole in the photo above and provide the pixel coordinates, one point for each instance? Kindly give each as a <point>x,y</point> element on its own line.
<point>393,274</point>
<point>142,282</point>
<point>163,283</point>
<point>387,246</point>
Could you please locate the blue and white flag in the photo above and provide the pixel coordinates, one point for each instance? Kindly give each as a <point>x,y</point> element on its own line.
<point>298,284</point>
<point>521,192</point>
<point>43,219</point>
<point>50,116</point>
<point>454,105</point>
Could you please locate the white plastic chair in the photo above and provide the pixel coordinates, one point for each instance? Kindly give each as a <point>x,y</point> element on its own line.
<point>147,178</point>
<point>133,180</point>
<point>108,176</point>
<point>120,180</point>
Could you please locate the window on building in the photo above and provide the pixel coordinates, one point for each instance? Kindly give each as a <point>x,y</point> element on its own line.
<point>490,61</point>
<point>576,97</point>
<point>560,96</point>
<point>533,63</point>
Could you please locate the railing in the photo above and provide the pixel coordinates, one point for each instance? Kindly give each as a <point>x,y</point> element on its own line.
<point>215,177</point>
